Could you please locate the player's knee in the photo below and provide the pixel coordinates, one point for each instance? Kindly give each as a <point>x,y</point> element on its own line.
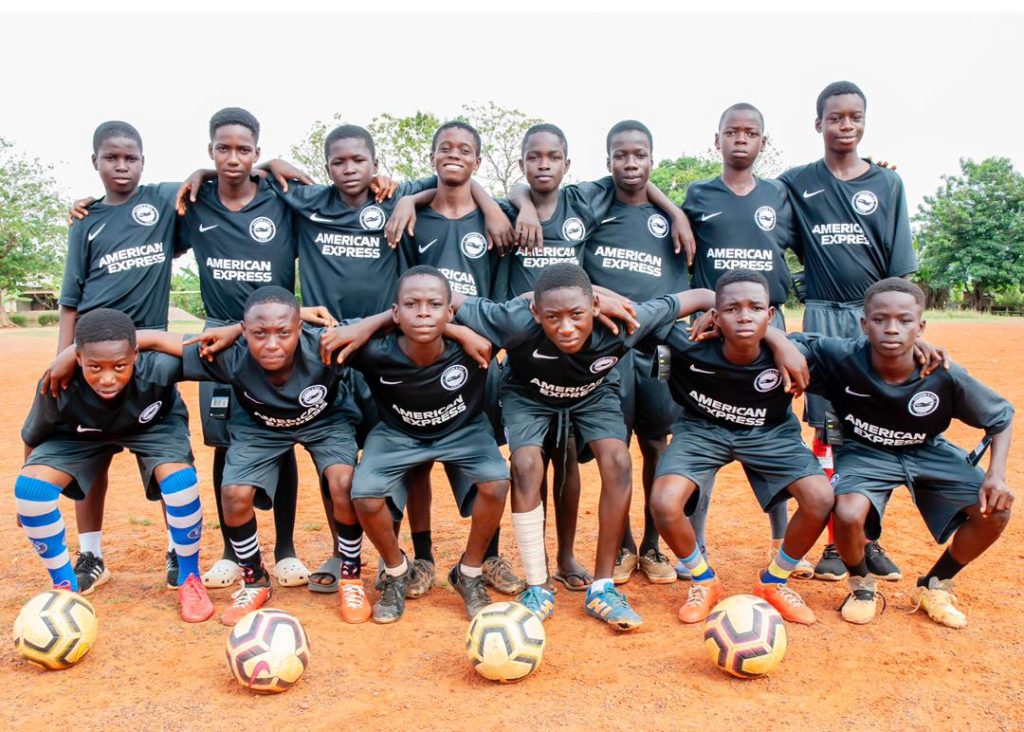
<point>818,502</point>
<point>526,466</point>
<point>848,514</point>
<point>666,503</point>
<point>997,520</point>
<point>369,506</point>
<point>495,490</point>
<point>340,487</point>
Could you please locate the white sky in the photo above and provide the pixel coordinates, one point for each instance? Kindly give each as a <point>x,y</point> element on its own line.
<point>939,86</point>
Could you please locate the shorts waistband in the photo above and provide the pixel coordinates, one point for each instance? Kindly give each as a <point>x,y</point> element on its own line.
<point>832,305</point>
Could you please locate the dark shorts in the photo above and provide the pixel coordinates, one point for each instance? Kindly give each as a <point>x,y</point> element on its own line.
<point>773,457</point>
<point>646,403</point>
<point>254,454</point>
<point>597,416</point>
<point>837,319</point>
<point>941,482</point>
<point>163,442</point>
<point>470,456</point>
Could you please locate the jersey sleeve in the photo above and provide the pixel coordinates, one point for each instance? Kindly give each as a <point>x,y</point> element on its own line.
<point>160,368</point>
<point>656,318</point>
<point>689,203</point>
<point>42,419</point>
<point>977,405</point>
<point>508,209</point>
<point>167,192</point>
<point>596,197</point>
<point>820,351</point>
<point>901,255</point>
<point>195,368</point>
<point>504,324</point>
<point>412,187</point>
<point>75,267</point>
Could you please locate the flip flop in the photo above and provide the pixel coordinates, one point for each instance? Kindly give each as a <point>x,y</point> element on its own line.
<point>330,568</point>
<point>290,572</point>
<point>223,573</point>
<point>584,577</point>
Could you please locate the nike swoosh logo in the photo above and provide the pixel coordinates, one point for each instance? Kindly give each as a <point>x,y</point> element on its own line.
<point>808,194</point>
<point>94,234</point>
<point>88,429</point>
<point>538,354</point>
<point>248,396</point>
<point>705,217</point>
<point>606,221</point>
<point>314,217</point>
<point>851,392</point>
<point>389,383</point>
<point>207,228</point>
<point>699,371</point>
<point>425,247</point>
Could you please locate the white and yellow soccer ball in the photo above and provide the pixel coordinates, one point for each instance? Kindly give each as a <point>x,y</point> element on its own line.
<point>55,629</point>
<point>745,636</point>
<point>505,642</point>
<point>268,651</point>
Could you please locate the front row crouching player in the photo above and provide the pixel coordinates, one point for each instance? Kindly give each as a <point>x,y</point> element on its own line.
<point>560,370</point>
<point>893,417</point>
<point>736,406</point>
<point>430,395</point>
<point>113,398</point>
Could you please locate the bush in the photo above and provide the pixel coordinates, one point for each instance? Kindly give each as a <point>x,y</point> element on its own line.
<point>19,320</point>
<point>48,319</point>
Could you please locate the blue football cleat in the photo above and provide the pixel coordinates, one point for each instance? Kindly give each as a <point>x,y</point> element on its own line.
<point>612,607</point>
<point>539,601</point>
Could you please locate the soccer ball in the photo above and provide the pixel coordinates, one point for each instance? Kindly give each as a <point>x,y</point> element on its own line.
<point>267,651</point>
<point>745,636</point>
<point>55,629</point>
<point>505,642</point>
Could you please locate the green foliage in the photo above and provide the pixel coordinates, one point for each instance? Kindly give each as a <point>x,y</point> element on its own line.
<point>971,234</point>
<point>48,319</point>
<point>403,144</point>
<point>308,154</point>
<point>502,132</point>
<point>19,320</point>
<point>185,292</point>
<point>673,177</point>
<point>33,229</point>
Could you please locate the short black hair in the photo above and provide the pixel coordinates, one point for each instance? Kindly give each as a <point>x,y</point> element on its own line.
<point>895,284</point>
<point>559,275</point>
<point>270,293</point>
<point>741,107</point>
<point>547,127</point>
<point>740,275</point>
<point>628,125</point>
<point>345,132</point>
<point>234,116</point>
<point>459,125</point>
<point>838,88</point>
<point>424,269</point>
<point>114,128</point>
<point>104,324</point>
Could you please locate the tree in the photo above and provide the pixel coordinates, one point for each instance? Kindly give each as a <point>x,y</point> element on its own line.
<point>673,177</point>
<point>33,229</point>
<point>403,144</point>
<point>502,131</point>
<point>309,153</point>
<point>971,233</point>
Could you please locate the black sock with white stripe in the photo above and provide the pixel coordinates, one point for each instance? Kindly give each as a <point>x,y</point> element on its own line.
<point>245,541</point>
<point>350,547</point>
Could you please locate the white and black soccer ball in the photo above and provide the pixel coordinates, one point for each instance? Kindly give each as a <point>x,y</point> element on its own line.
<point>55,629</point>
<point>745,636</point>
<point>267,651</point>
<point>505,642</point>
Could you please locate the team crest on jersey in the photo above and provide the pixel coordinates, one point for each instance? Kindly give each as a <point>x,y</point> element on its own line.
<point>262,229</point>
<point>312,395</point>
<point>764,217</point>
<point>865,202</point>
<point>767,380</point>
<point>372,218</point>
<point>923,403</point>
<point>473,245</point>
<point>658,225</point>
<point>149,412</point>
<point>454,377</point>
<point>573,229</point>
<point>145,214</point>
<point>603,364</point>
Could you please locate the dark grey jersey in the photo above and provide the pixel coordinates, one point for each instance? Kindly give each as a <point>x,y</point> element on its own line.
<point>457,247</point>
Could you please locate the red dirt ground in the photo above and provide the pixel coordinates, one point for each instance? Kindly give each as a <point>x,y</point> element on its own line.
<point>150,670</point>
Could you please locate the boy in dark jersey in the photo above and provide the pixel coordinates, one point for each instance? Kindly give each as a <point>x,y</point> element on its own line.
<point>736,406</point>
<point>561,374</point>
<point>892,419</point>
<point>120,258</point>
<point>430,396</point>
<point>110,398</point>
<point>741,221</point>
<point>854,230</point>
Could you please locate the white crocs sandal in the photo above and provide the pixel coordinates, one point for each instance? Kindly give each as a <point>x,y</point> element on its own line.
<point>223,573</point>
<point>290,572</point>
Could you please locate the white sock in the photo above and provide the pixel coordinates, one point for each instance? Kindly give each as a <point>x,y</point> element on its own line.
<point>397,571</point>
<point>470,572</point>
<point>600,585</point>
<point>90,542</point>
<point>529,530</point>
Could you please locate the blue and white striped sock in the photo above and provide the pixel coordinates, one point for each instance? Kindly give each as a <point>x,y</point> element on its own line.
<point>180,491</point>
<point>36,502</point>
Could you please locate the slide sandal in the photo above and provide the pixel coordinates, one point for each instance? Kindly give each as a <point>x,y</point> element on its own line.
<point>331,568</point>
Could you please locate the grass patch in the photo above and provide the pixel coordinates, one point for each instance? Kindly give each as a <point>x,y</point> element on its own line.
<point>312,526</point>
<point>136,521</point>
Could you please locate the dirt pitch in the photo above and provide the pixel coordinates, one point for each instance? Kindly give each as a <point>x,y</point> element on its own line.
<point>149,670</point>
